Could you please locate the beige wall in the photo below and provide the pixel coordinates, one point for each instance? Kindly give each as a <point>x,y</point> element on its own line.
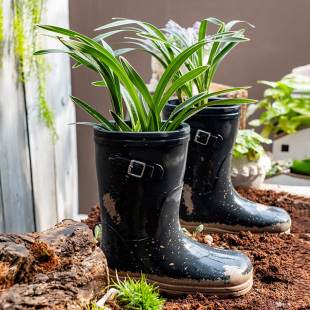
<point>280,42</point>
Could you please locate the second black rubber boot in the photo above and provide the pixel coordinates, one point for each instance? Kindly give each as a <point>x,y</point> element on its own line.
<point>208,195</point>
<point>140,179</point>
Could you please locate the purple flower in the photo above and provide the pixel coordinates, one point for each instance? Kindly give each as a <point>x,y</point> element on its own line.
<point>196,25</point>
<point>190,34</point>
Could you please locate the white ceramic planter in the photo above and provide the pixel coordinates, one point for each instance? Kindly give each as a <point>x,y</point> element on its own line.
<point>249,174</point>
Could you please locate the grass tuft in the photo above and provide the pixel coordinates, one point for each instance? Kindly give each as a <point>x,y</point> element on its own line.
<point>138,294</point>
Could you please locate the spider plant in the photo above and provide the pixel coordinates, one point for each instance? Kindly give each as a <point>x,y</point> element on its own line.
<point>160,44</point>
<point>124,83</point>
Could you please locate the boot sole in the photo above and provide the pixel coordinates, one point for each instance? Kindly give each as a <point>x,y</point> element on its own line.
<point>175,287</point>
<point>191,226</point>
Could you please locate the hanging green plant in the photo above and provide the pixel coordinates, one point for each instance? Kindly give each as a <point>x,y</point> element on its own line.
<point>26,14</point>
<point>1,30</point>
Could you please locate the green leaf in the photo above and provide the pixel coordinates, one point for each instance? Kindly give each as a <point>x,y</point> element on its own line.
<point>189,103</point>
<point>273,92</point>
<point>201,36</point>
<point>96,50</point>
<point>123,51</point>
<point>88,123</point>
<point>302,111</point>
<point>106,35</point>
<point>185,113</point>
<point>138,82</point>
<point>151,37</point>
<point>304,120</point>
<point>272,84</point>
<point>279,108</point>
<point>99,83</point>
<point>131,108</point>
<point>49,51</point>
<point>104,56</point>
<point>241,149</point>
<point>287,125</point>
<point>198,230</point>
<point>179,82</point>
<point>214,21</point>
<point>172,68</point>
<point>234,22</point>
<point>121,124</point>
<point>98,232</point>
<point>232,39</point>
<point>95,114</point>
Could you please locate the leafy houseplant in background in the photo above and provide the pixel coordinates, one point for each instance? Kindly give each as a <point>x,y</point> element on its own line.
<point>140,166</point>
<point>286,113</point>
<point>283,112</point>
<point>205,198</point>
<point>249,162</point>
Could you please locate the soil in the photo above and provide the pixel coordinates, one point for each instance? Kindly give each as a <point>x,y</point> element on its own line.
<point>281,262</point>
<point>46,257</point>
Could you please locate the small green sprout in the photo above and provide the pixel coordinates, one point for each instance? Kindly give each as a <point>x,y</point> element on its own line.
<point>97,233</point>
<point>138,294</point>
<point>198,230</point>
<point>49,251</point>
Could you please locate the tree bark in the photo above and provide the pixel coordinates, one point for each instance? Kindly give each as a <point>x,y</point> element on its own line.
<point>35,275</point>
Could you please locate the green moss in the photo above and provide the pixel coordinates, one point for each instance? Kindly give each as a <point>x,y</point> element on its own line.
<point>26,14</point>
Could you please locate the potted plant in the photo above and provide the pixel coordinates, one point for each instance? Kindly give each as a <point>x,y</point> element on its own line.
<point>285,113</point>
<point>249,161</point>
<point>140,166</point>
<point>208,196</point>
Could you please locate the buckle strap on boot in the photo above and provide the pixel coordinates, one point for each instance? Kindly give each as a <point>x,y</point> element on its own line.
<point>136,168</point>
<point>206,138</point>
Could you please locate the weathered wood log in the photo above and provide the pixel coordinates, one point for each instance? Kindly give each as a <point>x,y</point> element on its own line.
<point>34,274</point>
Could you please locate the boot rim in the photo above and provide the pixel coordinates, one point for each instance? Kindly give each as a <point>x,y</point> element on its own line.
<point>233,110</point>
<point>101,134</point>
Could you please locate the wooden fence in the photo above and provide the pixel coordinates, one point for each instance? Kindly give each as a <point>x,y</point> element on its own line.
<point>38,179</point>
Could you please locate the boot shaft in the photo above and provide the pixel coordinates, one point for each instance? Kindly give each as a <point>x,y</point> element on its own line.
<point>135,172</point>
<point>213,134</point>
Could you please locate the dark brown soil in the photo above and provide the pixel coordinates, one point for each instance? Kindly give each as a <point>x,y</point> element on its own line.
<point>281,273</point>
<point>281,262</point>
<point>47,259</point>
<point>93,218</point>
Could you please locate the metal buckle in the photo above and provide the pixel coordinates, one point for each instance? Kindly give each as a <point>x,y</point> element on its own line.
<point>197,136</point>
<point>132,162</point>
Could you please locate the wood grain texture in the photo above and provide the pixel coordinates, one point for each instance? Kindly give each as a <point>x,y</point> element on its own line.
<point>80,275</point>
<point>38,178</point>
<point>16,183</point>
<point>43,163</point>
<point>65,151</point>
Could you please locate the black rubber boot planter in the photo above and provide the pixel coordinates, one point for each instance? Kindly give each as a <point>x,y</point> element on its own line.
<point>208,195</point>
<point>140,178</point>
